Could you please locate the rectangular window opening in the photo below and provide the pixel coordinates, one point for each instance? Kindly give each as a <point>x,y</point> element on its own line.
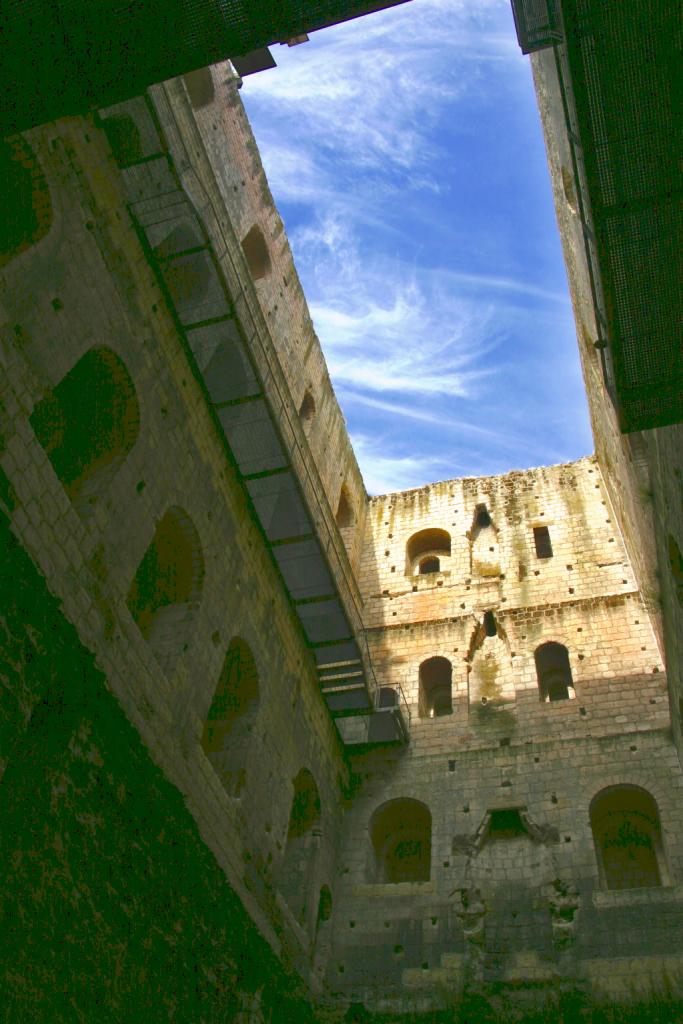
<point>544,548</point>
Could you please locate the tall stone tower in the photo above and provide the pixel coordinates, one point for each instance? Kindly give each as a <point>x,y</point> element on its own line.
<point>513,841</point>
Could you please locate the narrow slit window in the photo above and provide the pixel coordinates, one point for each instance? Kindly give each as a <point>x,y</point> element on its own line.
<point>490,624</point>
<point>544,548</point>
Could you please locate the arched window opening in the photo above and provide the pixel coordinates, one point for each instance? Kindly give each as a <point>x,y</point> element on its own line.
<point>627,836</point>
<point>554,673</point>
<point>387,697</point>
<point>345,516</point>
<point>167,586</point>
<point>401,836</point>
<point>27,209</point>
<point>490,627</point>
<point>435,694</point>
<point>544,548</point>
<point>307,410</point>
<point>256,253</point>
<point>124,138</point>
<point>230,721</point>
<point>425,548</point>
<point>88,424</point>
<point>200,89</point>
<point>297,870</point>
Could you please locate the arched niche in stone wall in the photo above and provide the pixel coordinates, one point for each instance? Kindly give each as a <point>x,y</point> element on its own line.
<point>553,672</point>
<point>227,735</point>
<point>435,688</point>
<point>166,589</point>
<point>490,676</point>
<point>401,838</point>
<point>428,551</point>
<point>296,876</point>
<point>504,871</point>
<point>345,516</point>
<point>27,208</point>
<point>628,838</point>
<point>307,410</point>
<point>88,424</point>
<point>484,546</point>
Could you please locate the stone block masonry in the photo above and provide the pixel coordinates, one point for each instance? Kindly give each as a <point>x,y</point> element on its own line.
<point>183,828</point>
<point>505,611</point>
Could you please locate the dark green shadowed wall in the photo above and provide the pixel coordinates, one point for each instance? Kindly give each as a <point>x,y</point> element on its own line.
<point>112,907</point>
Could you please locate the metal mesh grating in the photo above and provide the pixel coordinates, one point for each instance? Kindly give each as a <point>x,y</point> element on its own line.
<point>65,57</point>
<point>622,60</point>
<point>646,305</point>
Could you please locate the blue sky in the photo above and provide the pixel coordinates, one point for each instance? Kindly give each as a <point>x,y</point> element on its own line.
<point>405,154</point>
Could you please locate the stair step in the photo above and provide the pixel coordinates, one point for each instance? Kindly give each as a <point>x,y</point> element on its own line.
<point>325,679</point>
<point>339,688</point>
<point>333,665</point>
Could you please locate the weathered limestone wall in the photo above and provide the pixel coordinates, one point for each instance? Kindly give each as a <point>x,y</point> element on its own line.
<point>86,284</point>
<point>642,471</point>
<point>406,944</point>
<point>569,500</point>
<point>230,148</point>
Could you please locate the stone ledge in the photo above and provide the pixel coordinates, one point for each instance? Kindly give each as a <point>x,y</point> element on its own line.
<point>394,889</point>
<point>634,897</point>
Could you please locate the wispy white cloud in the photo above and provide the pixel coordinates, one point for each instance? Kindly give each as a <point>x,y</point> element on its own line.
<point>388,331</point>
<point>420,320</point>
<point>367,94</point>
<point>384,471</point>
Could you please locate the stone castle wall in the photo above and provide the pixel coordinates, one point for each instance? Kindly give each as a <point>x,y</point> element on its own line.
<point>154,215</point>
<point>502,747</point>
<point>229,147</point>
<point>86,288</point>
